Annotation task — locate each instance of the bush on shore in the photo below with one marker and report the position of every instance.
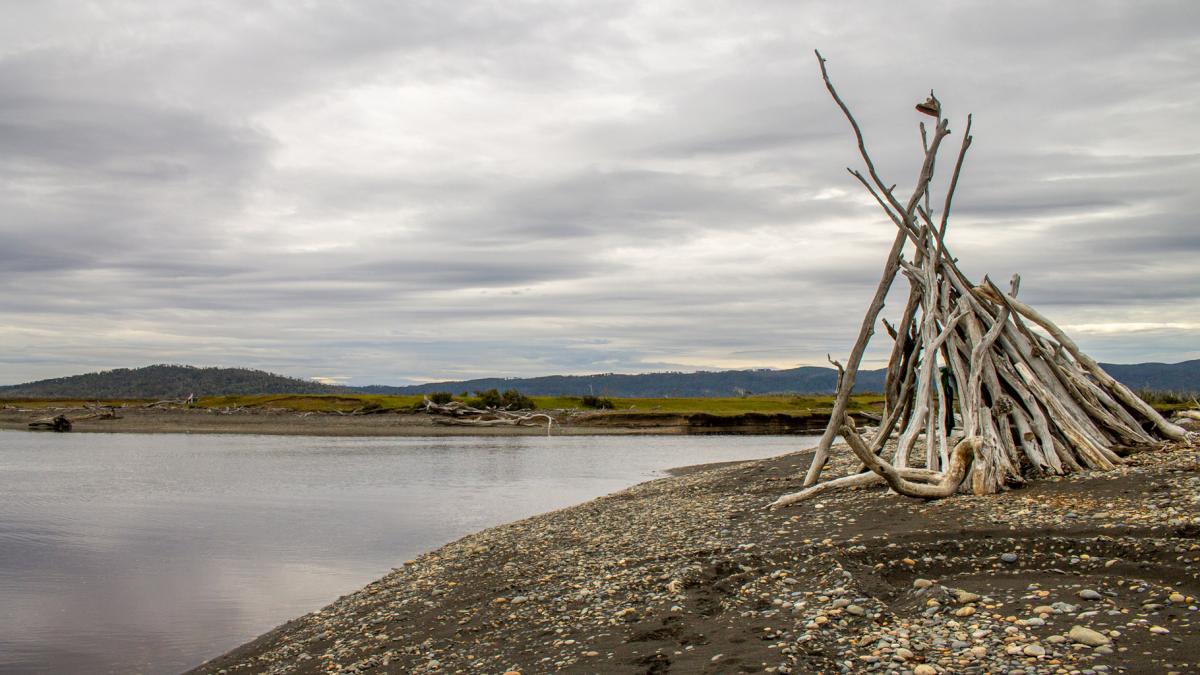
(597, 403)
(511, 399)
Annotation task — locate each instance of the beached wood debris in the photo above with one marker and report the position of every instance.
(100, 412)
(167, 404)
(187, 402)
(229, 410)
(59, 423)
(991, 390)
(459, 413)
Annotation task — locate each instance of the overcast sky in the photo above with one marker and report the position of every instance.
(386, 192)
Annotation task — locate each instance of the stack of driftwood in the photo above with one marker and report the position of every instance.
(459, 413)
(982, 391)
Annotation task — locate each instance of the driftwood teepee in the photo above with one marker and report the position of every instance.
(1028, 401)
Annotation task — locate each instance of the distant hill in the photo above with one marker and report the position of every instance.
(1178, 377)
(1181, 377)
(806, 379)
(163, 381)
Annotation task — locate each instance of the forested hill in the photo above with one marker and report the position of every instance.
(164, 381)
(1175, 377)
(179, 381)
(1181, 377)
(807, 379)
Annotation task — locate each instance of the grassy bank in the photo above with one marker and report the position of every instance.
(769, 404)
(712, 406)
(347, 403)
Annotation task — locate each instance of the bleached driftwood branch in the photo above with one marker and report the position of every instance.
(458, 413)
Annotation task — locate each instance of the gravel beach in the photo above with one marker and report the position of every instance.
(1094, 573)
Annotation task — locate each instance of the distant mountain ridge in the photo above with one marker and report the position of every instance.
(170, 381)
(802, 380)
(167, 381)
(1178, 377)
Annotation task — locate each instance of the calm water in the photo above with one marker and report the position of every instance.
(124, 553)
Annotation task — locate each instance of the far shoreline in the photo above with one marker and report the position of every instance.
(291, 423)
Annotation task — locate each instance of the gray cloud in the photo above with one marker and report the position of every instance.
(395, 191)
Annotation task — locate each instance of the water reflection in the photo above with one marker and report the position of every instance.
(136, 553)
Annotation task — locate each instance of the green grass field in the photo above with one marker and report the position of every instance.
(39, 403)
(713, 406)
(779, 403)
(797, 404)
(721, 406)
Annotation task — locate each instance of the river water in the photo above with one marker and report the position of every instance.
(127, 553)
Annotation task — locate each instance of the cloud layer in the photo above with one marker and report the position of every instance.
(391, 192)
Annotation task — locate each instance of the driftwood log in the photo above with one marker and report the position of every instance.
(461, 414)
(105, 414)
(59, 423)
(981, 389)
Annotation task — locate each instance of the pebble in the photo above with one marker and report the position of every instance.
(1034, 650)
(1089, 594)
(966, 597)
(1087, 636)
(924, 669)
(1009, 557)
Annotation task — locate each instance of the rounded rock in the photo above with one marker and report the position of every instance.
(1087, 636)
(966, 597)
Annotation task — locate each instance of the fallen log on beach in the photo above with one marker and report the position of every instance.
(60, 424)
(456, 413)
